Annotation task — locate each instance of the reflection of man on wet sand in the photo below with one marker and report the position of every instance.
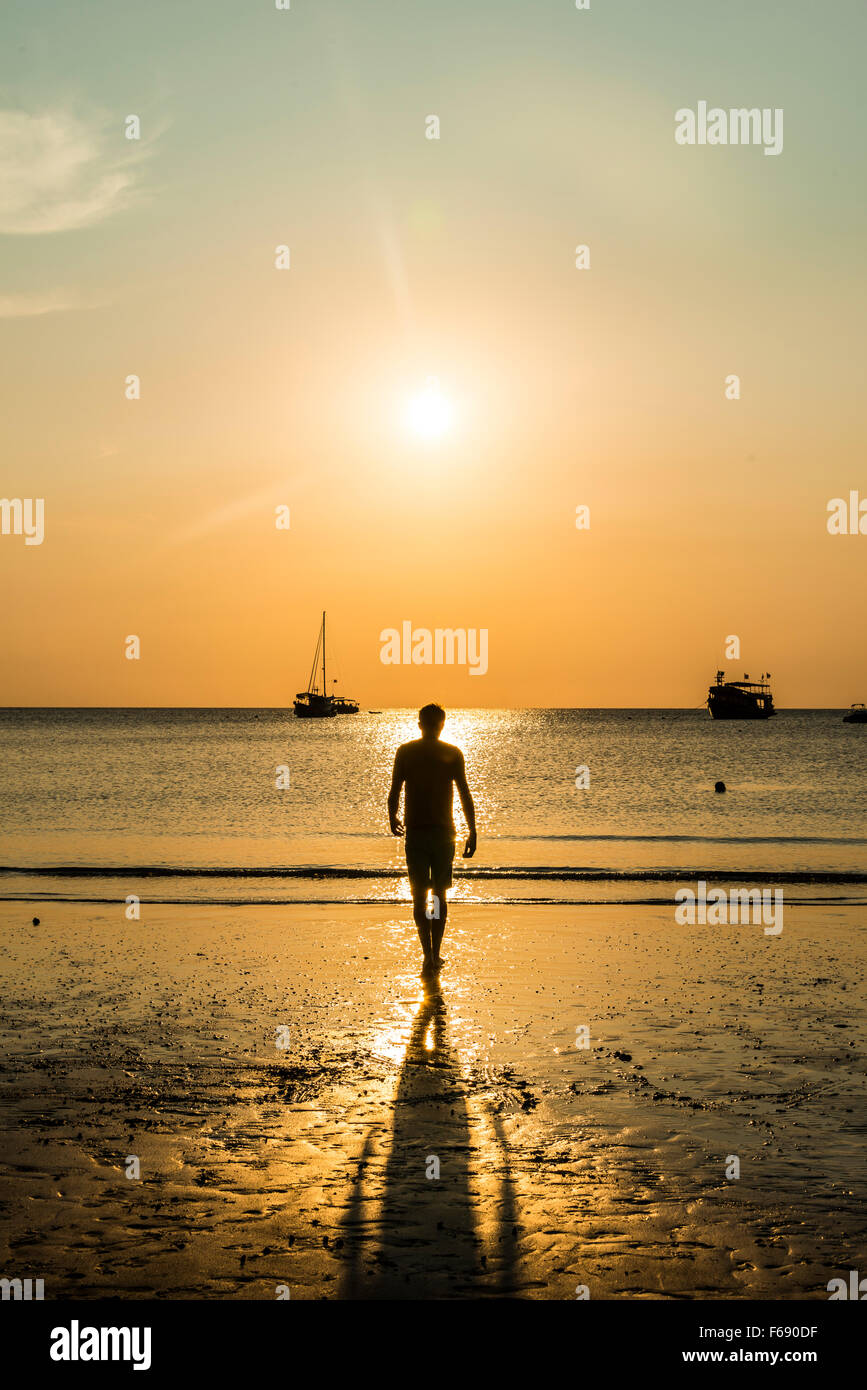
(411, 1234)
(431, 770)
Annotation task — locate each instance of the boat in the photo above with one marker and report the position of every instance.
(857, 715)
(314, 703)
(744, 699)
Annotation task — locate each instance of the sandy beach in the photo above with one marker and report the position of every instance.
(312, 1164)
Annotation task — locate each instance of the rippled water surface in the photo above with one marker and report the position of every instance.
(191, 789)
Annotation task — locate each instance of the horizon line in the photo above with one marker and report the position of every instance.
(287, 709)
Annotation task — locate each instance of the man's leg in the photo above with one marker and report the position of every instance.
(441, 881)
(440, 908)
(418, 873)
(419, 912)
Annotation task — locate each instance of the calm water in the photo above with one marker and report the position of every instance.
(187, 790)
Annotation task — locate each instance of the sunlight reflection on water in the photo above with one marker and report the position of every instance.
(139, 789)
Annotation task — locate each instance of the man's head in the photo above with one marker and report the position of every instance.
(431, 719)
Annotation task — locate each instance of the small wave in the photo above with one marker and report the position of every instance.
(401, 904)
(698, 839)
(553, 873)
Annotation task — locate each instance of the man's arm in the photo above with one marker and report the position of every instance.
(398, 777)
(469, 809)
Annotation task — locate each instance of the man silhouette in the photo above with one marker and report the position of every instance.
(430, 770)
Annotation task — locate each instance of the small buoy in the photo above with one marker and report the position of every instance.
(36, 921)
(720, 787)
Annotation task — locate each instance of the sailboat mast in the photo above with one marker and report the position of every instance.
(324, 684)
(311, 684)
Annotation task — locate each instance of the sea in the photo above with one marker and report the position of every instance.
(588, 806)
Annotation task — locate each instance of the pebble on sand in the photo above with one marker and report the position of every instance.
(720, 787)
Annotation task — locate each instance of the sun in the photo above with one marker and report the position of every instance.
(430, 413)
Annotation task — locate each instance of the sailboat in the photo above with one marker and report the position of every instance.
(314, 703)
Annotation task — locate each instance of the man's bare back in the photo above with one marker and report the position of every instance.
(430, 770)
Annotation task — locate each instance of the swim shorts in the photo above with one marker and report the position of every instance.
(430, 851)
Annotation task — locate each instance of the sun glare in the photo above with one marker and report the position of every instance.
(429, 414)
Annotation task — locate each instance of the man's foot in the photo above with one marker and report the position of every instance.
(438, 963)
(428, 965)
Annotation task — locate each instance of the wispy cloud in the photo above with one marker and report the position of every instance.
(59, 171)
(262, 502)
(33, 304)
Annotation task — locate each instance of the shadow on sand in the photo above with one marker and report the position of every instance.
(414, 1236)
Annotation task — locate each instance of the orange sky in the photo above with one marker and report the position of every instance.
(413, 258)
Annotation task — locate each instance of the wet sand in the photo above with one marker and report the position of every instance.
(307, 1165)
